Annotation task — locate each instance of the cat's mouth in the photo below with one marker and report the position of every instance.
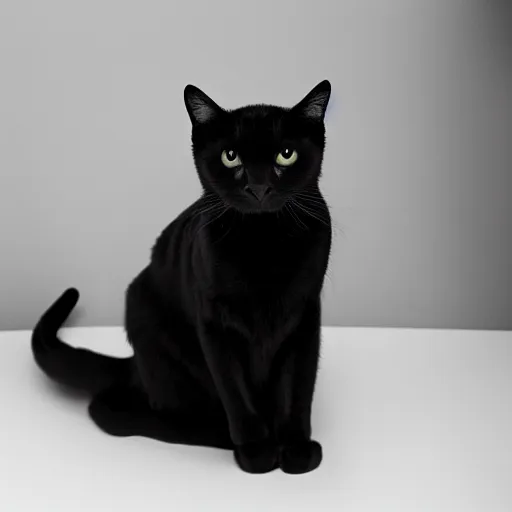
(259, 201)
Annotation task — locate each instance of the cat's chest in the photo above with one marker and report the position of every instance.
(261, 271)
(260, 276)
(257, 291)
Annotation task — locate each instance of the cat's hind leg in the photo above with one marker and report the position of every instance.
(125, 411)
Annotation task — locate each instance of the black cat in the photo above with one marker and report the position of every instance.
(225, 320)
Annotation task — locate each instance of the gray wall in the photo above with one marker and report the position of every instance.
(95, 158)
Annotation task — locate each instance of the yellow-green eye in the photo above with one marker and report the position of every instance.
(286, 157)
(230, 159)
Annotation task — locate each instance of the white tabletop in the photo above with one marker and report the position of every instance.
(410, 420)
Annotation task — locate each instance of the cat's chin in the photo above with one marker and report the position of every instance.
(253, 207)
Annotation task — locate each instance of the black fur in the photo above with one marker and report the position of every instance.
(225, 320)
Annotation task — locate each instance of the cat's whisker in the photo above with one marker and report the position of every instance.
(208, 209)
(308, 193)
(294, 216)
(320, 219)
(211, 200)
(307, 211)
(213, 219)
(314, 209)
(311, 200)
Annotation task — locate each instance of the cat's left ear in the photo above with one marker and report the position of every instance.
(313, 106)
(200, 107)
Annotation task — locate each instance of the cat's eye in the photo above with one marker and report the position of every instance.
(286, 157)
(230, 158)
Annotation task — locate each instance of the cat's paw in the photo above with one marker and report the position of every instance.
(301, 457)
(260, 457)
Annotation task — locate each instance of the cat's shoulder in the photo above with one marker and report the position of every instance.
(174, 229)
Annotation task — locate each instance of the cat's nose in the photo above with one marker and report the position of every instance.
(258, 191)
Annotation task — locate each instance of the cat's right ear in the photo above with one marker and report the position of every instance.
(200, 107)
(313, 106)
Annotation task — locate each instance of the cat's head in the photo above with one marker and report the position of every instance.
(257, 157)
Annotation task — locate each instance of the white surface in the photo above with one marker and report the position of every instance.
(409, 420)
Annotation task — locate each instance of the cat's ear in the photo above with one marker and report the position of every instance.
(313, 106)
(200, 107)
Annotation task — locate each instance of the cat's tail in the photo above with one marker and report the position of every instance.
(76, 367)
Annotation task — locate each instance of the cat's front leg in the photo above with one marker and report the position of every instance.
(255, 452)
(294, 395)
